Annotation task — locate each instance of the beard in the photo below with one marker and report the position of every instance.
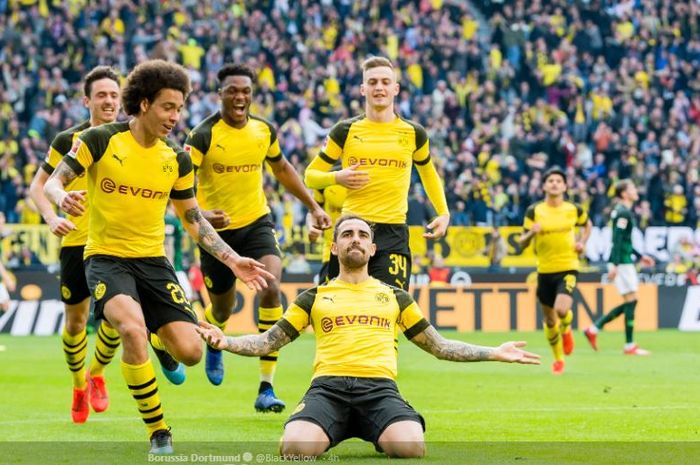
(353, 261)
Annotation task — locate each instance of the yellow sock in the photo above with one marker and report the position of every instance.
(209, 316)
(554, 338)
(141, 380)
(565, 322)
(267, 317)
(106, 345)
(75, 350)
(156, 342)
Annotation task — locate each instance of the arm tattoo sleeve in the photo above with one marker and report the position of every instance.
(258, 344)
(65, 173)
(207, 236)
(445, 349)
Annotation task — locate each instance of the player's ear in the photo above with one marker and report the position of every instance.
(144, 105)
(334, 248)
(397, 88)
(362, 89)
(372, 249)
(86, 101)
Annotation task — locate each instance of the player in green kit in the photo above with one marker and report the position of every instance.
(621, 268)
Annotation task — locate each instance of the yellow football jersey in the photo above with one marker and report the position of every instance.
(128, 189)
(60, 146)
(230, 164)
(554, 244)
(387, 152)
(356, 326)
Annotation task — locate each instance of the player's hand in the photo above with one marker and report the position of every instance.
(612, 273)
(579, 247)
(252, 273)
(510, 352)
(321, 219)
(438, 227)
(73, 203)
(212, 335)
(647, 261)
(312, 231)
(351, 177)
(536, 228)
(60, 226)
(10, 282)
(218, 218)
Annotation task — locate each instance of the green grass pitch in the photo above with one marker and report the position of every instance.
(606, 409)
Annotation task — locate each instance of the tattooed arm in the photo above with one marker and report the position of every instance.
(71, 202)
(247, 270)
(457, 351)
(254, 345)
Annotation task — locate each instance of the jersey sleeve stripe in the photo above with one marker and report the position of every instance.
(288, 329)
(274, 159)
(182, 195)
(416, 329)
(323, 156)
(423, 162)
(46, 167)
(74, 165)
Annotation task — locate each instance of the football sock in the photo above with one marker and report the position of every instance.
(75, 350)
(629, 321)
(555, 342)
(141, 380)
(614, 313)
(565, 322)
(267, 317)
(106, 345)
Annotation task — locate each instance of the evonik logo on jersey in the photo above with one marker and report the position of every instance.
(382, 162)
(109, 186)
(247, 168)
(328, 324)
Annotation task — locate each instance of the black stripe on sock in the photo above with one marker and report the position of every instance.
(136, 387)
(150, 410)
(101, 331)
(99, 352)
(267, 322)
(101, 360)
(65, 344)
(108, 344)
(73, 352)
(146, 395)
(75, 370)
(77, 362)
(154, 419)
(268, 358)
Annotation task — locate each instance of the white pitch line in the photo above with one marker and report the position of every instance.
(559, 409)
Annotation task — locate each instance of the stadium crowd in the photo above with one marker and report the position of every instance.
(606, 89)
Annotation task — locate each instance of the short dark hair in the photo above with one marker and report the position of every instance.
(97, 73)
(554, 170)
(376, 62)
(349, 217)
(148, 79)
(621, 186)
(235, 70)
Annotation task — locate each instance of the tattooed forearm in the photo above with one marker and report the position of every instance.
(258, 344)
(207, 236)
(54, 187)
(444, 349)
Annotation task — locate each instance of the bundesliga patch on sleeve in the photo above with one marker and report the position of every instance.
(74, 149)
(188, 148)
(621, 223)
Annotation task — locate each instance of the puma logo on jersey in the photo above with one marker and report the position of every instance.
(325, 297)
(219, 146)
(358, 138)
(120, 160)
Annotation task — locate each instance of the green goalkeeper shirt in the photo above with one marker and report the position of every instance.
(622, 223)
